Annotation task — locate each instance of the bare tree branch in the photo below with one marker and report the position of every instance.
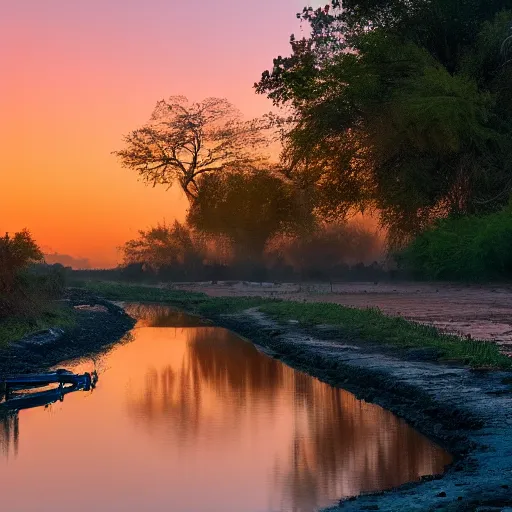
(184, 140)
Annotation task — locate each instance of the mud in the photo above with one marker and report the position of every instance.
(99, 325)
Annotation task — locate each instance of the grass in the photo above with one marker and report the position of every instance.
(373, 326)
(15, 328)
(363, 324)
(194, 302)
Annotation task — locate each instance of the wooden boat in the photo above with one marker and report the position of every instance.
(68, 382)
(39, 399)
(44, 379)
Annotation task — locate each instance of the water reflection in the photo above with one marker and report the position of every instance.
(339, 446)
(158, 315)
(195, 418)
(9, 434)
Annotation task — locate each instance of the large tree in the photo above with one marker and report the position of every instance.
(183, 141)
(403, 107)
(248, 207)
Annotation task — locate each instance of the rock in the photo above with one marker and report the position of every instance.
(442, 494)
(92, 309)
(41, 337)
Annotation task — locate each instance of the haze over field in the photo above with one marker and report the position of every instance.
(80, 75)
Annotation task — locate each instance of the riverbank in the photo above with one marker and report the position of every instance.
(91, 325)
(482, 311)
(367, 325)
(466, 410)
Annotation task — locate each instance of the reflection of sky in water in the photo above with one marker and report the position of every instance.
(189, 419)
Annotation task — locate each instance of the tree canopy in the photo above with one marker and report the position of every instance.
(183, 141)
(16, 253)
(401, 107)
(248, 207)
(163, 246)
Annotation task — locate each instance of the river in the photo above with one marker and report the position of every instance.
(191, 418)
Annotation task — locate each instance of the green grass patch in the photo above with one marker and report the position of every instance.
(363, 324)
(15, 328)
(371, 325)
(140, 293)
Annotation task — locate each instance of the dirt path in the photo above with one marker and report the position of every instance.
(483, 312)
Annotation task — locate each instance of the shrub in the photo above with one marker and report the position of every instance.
(470, 248)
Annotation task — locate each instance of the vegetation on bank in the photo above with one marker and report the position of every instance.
(14, 328)
(28, 289)
(471, 248)
(363, 324)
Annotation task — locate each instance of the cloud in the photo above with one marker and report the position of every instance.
(67, 261)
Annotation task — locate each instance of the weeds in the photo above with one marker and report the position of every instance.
(15, 328)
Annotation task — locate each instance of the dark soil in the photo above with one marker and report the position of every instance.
(94, 332)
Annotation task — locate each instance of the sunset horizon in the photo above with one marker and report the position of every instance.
(81, 77)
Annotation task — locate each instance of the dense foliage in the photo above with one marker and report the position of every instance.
(470, 248)
(248, 208)
(27, 287)
(402, 107)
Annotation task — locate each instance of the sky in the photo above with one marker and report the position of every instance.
(77, 76)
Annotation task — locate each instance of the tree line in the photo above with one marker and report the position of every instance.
(395, 108)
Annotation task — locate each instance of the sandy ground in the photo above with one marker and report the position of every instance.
(483, 312)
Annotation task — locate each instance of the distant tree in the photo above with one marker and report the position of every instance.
(248, 207)
(163, 246)
(184, 141)
(16, 253)
(328, 247)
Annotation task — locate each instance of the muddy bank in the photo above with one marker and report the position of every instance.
(468, 412)
(479, 311)
(99, 324)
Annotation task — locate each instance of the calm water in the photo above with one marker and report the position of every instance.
(194, 419)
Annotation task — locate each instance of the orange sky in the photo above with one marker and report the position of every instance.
(76, 76)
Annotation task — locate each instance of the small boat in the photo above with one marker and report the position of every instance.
(58, 377)
(68, 382)
(42, 398)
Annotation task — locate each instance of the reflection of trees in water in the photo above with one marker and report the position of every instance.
(346, 446)
(216, 360)
(230, 364)
(9, 433)
(157, 315)
(339, 445)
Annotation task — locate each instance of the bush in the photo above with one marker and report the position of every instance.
(47, 280)
(472, 248)
(25, 284)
